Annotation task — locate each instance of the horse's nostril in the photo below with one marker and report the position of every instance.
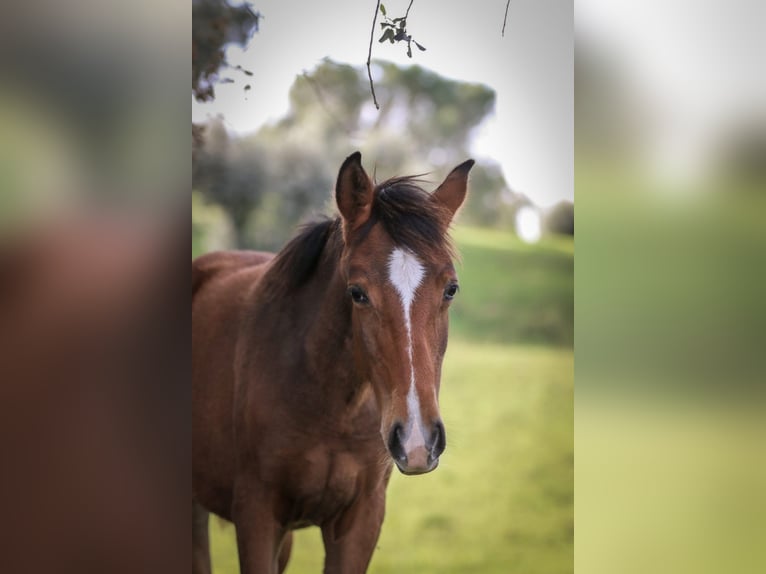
(438, 440)
(395, 445)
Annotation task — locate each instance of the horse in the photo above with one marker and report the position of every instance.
(316, 370)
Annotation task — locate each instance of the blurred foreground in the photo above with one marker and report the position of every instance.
(670, 110)
(670, 375)
(94, 170)
(94, 397)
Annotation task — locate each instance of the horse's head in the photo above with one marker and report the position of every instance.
(397, 263)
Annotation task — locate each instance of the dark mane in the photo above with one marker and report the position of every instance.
(407, 213)
(298, 260)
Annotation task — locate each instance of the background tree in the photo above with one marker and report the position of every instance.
(560, 218)
(491, 202)
(287, 169)
(215, 24)
(231, 176)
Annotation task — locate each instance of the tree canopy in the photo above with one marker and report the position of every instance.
(215, 24)
(286, 170)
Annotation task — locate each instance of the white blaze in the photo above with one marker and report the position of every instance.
(406, 273)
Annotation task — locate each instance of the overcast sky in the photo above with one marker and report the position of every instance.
(530, 69)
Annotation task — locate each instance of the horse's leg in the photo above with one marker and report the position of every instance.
(200, 540)
(259, 535)
(284, 551)
(258, 543)
(350, 541)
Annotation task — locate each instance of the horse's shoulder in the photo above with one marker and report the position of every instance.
(219, 264)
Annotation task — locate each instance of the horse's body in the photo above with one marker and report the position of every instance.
(308, 380)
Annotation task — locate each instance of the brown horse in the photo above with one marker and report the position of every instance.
(315, 368)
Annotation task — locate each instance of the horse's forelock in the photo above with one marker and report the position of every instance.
(411, 218)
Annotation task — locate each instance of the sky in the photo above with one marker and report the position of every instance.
(530, 134)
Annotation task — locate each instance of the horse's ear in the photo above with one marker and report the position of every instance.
(451, 193)
(353, 193)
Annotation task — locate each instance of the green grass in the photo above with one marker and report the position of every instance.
(513, 292)
(502, 498)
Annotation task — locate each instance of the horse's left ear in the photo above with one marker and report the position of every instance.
(353, 193)
(451, 193)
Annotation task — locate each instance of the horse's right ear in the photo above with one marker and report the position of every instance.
(353, 193)
(451, 193)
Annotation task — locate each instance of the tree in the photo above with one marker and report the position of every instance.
(490, 202)
(560, 219)
(216, 24)
(425, 120)
(287, 170)
(230, 177)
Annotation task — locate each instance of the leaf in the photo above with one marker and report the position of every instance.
(248, 87)
(384, 25)
(409, 50)
(382, 9)
(420, 47)
(387, 35)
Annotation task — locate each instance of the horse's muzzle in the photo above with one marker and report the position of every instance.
(412, 451)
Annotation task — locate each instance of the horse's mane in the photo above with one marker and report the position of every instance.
(407, 213)
(298, 260)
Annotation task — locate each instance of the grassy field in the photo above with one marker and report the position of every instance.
(502, 498)
(513, 292)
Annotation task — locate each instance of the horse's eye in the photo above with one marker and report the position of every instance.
(450, 291)
(358, 295)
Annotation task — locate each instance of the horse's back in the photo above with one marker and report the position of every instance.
(218, 264)
(221, 285)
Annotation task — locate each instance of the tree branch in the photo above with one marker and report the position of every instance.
(369, 55)
(505, 18)
(407, 13)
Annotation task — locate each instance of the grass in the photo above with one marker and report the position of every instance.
(513, 292)
(502, 498)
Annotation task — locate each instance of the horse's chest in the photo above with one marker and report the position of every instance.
(322, 484)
